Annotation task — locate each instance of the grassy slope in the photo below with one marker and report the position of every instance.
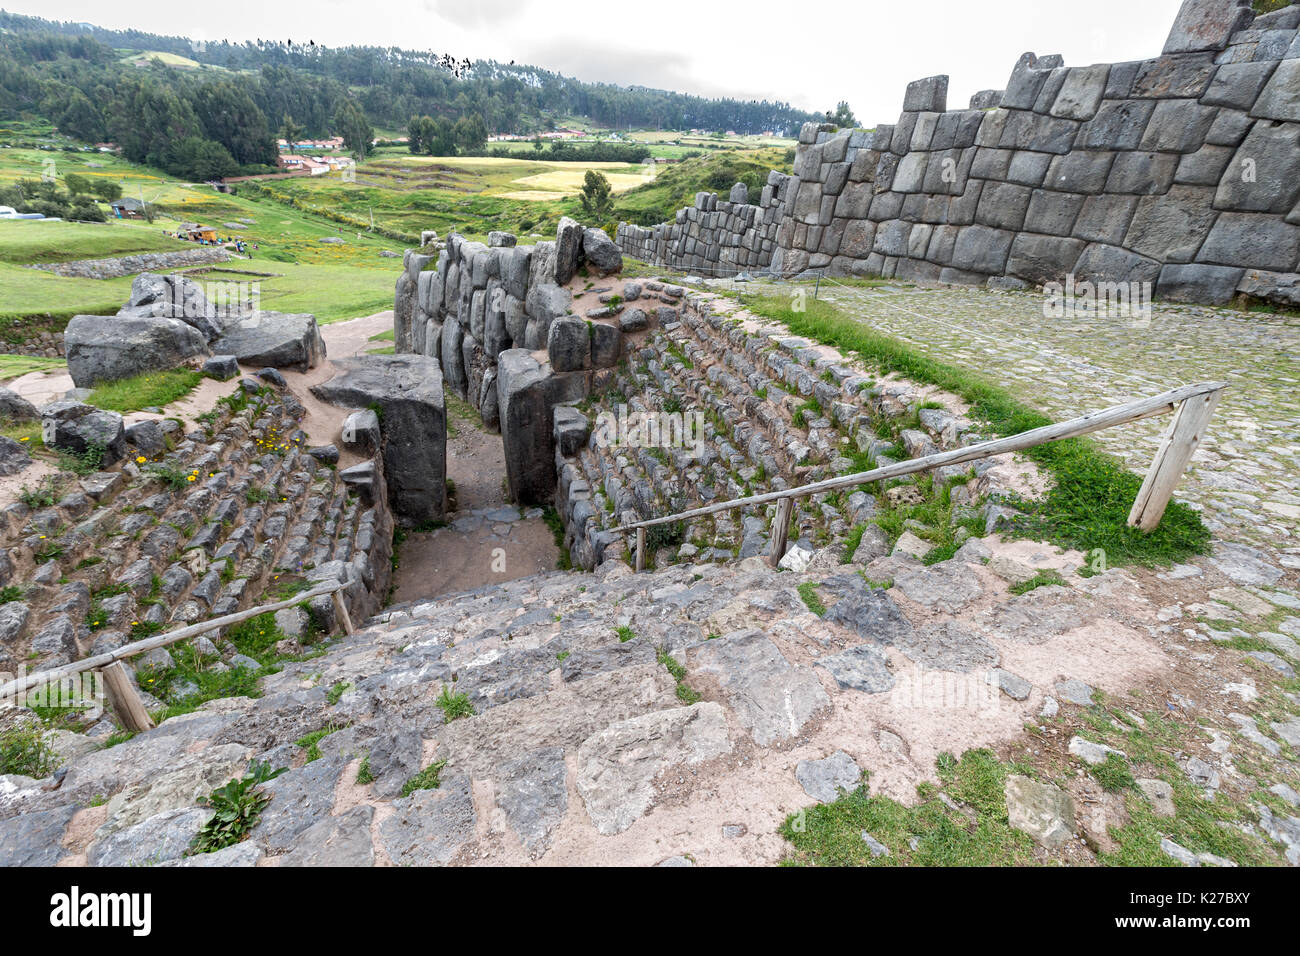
(676, 186)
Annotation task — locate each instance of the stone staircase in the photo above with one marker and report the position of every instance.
(193, 526)
(671, 717)
(778, 412)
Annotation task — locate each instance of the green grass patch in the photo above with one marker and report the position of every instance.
(454, 706)
(426, 779)
(1088, 505)
(625, 634)
(928, 834)
(147, 390)
(1042, 579)
(23, 751)
(808, 591)
(311, 742)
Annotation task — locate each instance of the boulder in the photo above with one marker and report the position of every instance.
(568, 344)
(1040, 810)
(15, 408)
(13, 456)
(1207, 25)
(77, 428)
(276, 339)
(407, 389)
(601, 252)
(175, 297)
(221, 367)
(104, 348)
(361, 432)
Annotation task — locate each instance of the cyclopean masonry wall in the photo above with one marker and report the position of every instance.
(717, 237)
(482, 311)
(1182, 171)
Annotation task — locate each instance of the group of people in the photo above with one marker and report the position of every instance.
(242, 247)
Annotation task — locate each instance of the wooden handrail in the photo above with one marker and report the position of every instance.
(1147, 511)
(15, 687)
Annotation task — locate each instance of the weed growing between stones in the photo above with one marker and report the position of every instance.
(454, 706)
(237, 808)
(426, 779)
(808, 591)
(1088, 505)
(553, 521)
(685, 693)
(311, 742)
(23, 751)
(1040, 580)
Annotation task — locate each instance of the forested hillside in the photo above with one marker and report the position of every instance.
(238, 95)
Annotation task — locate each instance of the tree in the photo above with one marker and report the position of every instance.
(230, 117)
(471, 133)
(77, 185)
(842, 116)
(597, 202)
(537, 143)
(199, 159)
(350, 123)
(106, 189)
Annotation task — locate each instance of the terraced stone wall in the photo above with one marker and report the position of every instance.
(1182, 171)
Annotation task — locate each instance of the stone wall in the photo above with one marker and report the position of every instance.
(717, 237)
(119, 266)
(1182, 171)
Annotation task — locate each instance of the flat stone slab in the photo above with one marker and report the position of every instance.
(770, 697)
(335, 841)
(950, 646)
(617, 766)
(533, 794)
(949, 586)
(299, 798)
(1041, 810)
(35, 839)
(870, 613)
(864, 668)
(429, 826)
(824, 779)
(160, 838)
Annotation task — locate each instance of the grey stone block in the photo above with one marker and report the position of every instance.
(1042, 259)
(1252, 240)
(1118, 124)
(1212, 285)
(1229, 129)
(982, 249)
(1142, 173)
(911, 173)
(1264, 175)
(1178, 126)
(1207, 25)
(1028, 168)
(1102, 263)
(1237, 85)
(1003, 205)
(1173, 226)
(1185, 75)
(1053, 213)
(930, 94)
(1081, 93)
(1081, 171)
(1204, 167)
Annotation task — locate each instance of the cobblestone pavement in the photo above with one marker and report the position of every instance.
(1245, 478)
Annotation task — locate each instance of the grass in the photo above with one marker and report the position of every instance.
(1042, 579)
(927, 834)
(147, 390)
(23, 751)
(685, 693)
(625, 634)
(808, 591)
(454, 706)
(311, 742)
(426, 779)
(1087, 507)
(15, 366)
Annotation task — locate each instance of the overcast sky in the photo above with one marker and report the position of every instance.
(808, 54)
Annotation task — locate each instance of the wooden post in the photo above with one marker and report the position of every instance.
(125, 699)
(341, 607)
(640, 549)
(780, 531)
(1176, 449)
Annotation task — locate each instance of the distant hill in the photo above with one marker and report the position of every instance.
(308, 83)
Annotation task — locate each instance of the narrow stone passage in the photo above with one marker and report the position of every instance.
(487, 539)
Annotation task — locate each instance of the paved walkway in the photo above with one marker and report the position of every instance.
(1246, 477)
